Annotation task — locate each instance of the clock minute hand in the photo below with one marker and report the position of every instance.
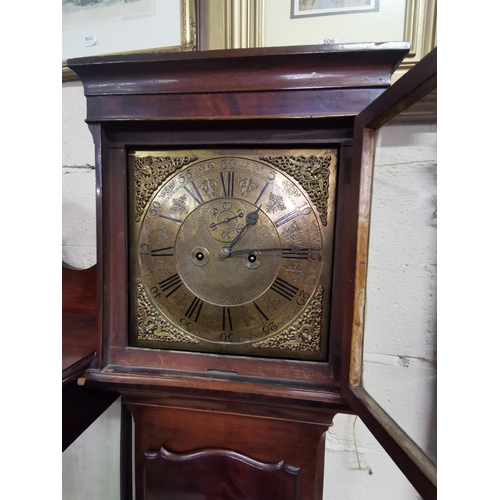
(251, 219)
(294, 248)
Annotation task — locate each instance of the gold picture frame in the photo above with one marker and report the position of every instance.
(188, 31)
(420, 31)
(230, 24)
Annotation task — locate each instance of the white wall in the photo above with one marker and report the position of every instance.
(78, 181)
(91, 464)
(344, 479)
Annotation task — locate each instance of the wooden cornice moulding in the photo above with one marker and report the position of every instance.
(354, 65)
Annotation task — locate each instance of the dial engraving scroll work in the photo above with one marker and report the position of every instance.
(232, 251)
(150, 173)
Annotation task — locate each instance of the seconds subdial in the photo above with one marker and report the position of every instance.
(226, 219)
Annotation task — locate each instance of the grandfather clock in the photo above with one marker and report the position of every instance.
(226, 212)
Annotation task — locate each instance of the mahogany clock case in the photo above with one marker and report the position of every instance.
(245, 101)
(227, 410)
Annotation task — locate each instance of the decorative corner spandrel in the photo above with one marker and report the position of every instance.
(304, 334)
(152, 326)
(150, 172)
(312, 172)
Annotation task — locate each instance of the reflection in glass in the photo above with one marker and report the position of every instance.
(400, 358)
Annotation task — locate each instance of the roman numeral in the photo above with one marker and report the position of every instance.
(292, 215)
(195, 307)
(261, 193)
(227, 183)
(195, 194)
(284, 288)
(158, 252)
(177, 221)
(293, 253)
(226, 318)
(261, 312)
(171, 284)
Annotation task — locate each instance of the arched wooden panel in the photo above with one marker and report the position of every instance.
(217, 474)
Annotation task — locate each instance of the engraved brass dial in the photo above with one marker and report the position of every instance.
(229, 253)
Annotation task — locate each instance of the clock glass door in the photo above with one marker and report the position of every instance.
(399, 341)
(392, 375)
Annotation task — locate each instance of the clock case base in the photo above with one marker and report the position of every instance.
(299, 97)
(216, 453)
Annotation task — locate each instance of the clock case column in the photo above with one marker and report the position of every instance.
(196, 408)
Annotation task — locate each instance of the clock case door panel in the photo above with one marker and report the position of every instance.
(300, 97)
(417, 88)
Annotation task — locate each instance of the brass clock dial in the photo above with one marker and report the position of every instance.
(231, 252)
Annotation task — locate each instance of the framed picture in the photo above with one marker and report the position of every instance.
(101, 27)
(312, 8)
(311, 22)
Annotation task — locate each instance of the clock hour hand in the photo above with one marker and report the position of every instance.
(294, 248)
(251, 219)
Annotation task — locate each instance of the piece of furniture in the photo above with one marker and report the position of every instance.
(215, 422)
(80, 407)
